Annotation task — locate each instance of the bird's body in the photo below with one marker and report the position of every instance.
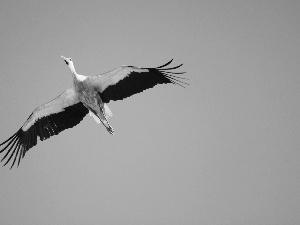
(91, 99)
(87, 94)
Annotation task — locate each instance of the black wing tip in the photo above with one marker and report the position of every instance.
(164, 68)
(166, 64)
(12, 148)
(171, 68)
(166, 71)
(19, 143)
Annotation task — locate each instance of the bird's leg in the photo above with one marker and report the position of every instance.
(109, 128)
(103, 118)
(104, 121)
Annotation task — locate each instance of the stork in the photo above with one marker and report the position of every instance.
(88, 94)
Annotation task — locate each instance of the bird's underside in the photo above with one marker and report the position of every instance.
(98, 110)
(88, 94)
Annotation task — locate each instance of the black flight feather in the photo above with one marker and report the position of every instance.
(137, 82)
(45, 127)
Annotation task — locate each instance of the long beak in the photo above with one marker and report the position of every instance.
(65, 59)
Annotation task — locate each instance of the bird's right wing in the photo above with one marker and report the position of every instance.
(125, 81)
(49, 119)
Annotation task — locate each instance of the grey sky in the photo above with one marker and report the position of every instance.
(225, 150)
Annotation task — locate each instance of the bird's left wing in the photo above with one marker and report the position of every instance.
(49, 119)
(125, 81)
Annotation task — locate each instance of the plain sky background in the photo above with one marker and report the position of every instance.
(224, 150)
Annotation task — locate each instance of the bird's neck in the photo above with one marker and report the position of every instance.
(73, 71)
(77, 77)
(72, 68)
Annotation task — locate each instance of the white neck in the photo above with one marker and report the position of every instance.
(72, 68)
(76, 75)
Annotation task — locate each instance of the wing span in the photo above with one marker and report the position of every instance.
(49, 119)
(128, 80)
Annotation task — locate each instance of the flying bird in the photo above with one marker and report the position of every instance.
(88, 94)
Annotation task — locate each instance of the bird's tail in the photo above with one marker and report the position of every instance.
(104, 119)
(107, 111)
(95, 117)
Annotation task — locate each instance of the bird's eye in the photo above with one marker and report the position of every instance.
(70, 59)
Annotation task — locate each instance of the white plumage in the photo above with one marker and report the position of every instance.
(87, 94)
(107, 111)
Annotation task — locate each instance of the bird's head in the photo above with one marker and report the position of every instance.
(69, 62)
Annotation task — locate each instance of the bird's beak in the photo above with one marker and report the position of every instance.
(65, 59)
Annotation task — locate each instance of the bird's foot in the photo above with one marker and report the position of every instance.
(110, 130)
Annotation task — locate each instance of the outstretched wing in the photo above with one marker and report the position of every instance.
(49, 119)
(128, 80)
